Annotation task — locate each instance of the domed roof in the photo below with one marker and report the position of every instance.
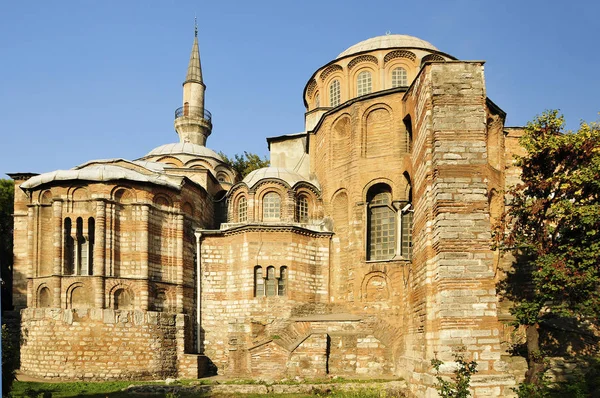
(184, 148)
(387, 41)
(289, 176)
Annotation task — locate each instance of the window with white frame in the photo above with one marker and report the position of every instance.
(242, 209)
(271, 206)
(381, 225)
(363, 83)
(399, 77)
(302, 209)
(334, 93)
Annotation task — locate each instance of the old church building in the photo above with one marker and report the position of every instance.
(362, 251)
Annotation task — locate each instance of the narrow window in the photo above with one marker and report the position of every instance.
(242, 209)
(123, 300)
(282, 282)
(363, 83)
(259, 282)
(407, 226)
(69, 249)
(271, 206)
(381, 226)
(271, 287)
(80, 248)
(302, 209)
(334, 93)
(317, 100)
(44, 299)
(91, 239)
(399, 78)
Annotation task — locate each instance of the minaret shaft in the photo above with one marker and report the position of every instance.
(192, 121)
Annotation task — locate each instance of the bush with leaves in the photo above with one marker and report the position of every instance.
(458, 386)
(10, 361)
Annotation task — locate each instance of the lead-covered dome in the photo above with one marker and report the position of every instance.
(288, 176)
(387, 41)
(184, 148)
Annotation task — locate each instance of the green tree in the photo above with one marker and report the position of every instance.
(458, 387)
(552, 227)
(6, 237)
(246, 163)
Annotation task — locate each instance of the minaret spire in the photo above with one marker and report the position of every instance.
(192, 121)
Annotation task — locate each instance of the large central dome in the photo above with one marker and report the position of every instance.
(387, 41)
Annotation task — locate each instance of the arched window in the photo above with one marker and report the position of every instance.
(259, 282)
(69, 249)
(271, 287)
(271, 206)
(91, 240)
(381, 225)
(242, 209)
(399, 78)
(406, 226)
(44, 299)
(317, 100)
(123, 300)
(363, 83)
(302, 209)
(334, 93)
(81, 253)
(282, 282)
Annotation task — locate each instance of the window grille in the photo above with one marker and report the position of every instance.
(334, 93)
(381, 232)
(399, 78)
(271, 206)
(242, 209)
(302, 209)
(363, 83)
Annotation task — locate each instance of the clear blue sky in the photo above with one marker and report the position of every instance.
(82, 80)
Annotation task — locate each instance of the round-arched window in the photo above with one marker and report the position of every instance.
(363, 83)
(399, 77)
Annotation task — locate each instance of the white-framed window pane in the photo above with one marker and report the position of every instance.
(399, 78)
(242, 209)
(302, 209)
(271, 206)
(363, 83)
(334, 93)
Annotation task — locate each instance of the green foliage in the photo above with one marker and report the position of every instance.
(6, 237)
(246, 163)
(10, 361)
(458, 387)
(554, 223)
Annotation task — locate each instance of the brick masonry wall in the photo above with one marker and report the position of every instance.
(100, 344)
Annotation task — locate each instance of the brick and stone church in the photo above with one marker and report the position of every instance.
(362, 251)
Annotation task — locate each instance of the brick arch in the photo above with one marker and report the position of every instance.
(123, 194)
(45, 197)
(79, 193)
(341, 140)
(188, 209)
(380, 180)
(77, 295)
(234, 201)
(377, 127)
(162, 200)
(310, 89)
(376, 286)
(115, 286)
(399, 54)
(330, 70)
(361, 59)
(368, 67)
(406, 190)
(431, 57)
(43, 296)
(171, 160)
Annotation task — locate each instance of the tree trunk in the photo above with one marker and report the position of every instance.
(535, 362)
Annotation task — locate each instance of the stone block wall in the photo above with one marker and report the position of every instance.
(96, 344)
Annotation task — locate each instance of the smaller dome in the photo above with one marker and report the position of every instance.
(184, 148)
(288, 176)
(387, 41)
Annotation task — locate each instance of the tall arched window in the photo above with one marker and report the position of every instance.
(81, 253)
(363, 83)
(242, 209)
(69, 249)
(271, 287)
(399, 77)
(259, 282)
(271, 206)
(381, 226)
(123, 300)
(302, 209)
(282, 281)
(334, 93)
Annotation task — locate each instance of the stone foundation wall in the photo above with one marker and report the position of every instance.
(94, 344)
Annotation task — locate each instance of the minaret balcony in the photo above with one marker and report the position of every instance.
(194, 112)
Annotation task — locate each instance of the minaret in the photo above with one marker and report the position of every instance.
(192, 121)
